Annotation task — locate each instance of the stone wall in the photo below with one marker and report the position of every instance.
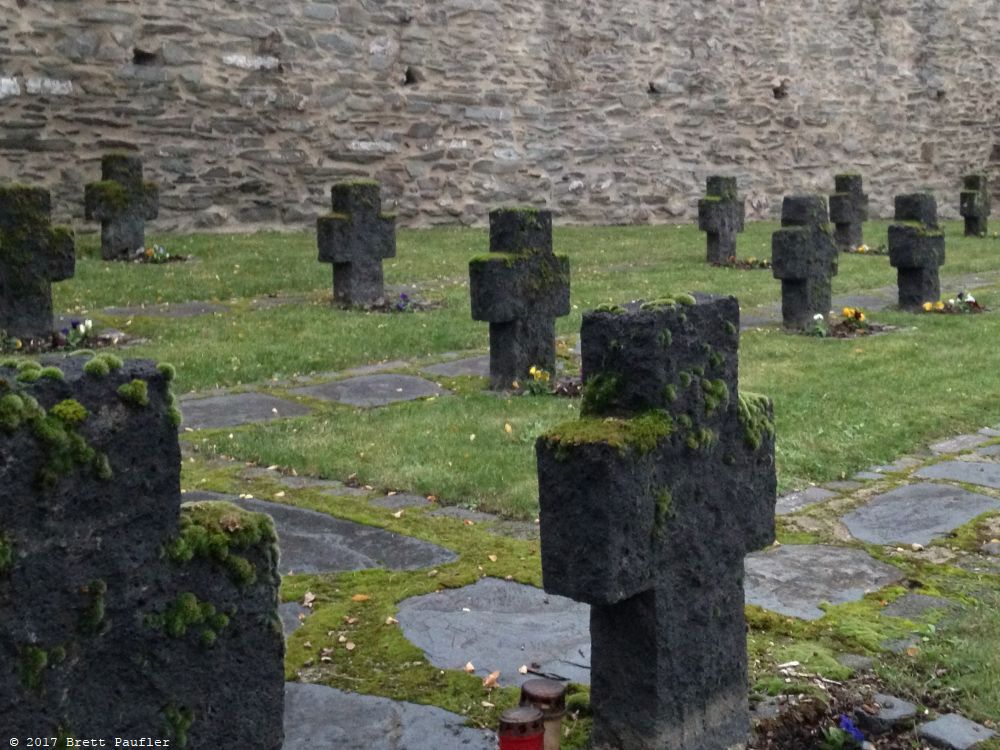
(607, 112)
(122, 612)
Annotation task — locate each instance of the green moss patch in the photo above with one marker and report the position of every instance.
(754, 414)
(188, 612)
(641, 434)
(69, 411)
(135, 393)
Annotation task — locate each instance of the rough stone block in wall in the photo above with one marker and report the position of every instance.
(33, 254)
(916, 250)
(458, 104)
(123, 613)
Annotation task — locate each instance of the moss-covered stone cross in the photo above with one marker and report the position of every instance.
(916, 250)
(520, 288)
(974, 204)
(848, 211)
(804, 257)
(355, 237)
(721, 214)
(122, 201)
(33, 254)
(648, 504)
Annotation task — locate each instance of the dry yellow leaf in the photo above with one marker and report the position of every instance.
(398, 513)
(349, 646)
(491, 558)
(507, 428)
(912, 651)
(490, 681)
(360, 598)
(469, 667)
(391, 621)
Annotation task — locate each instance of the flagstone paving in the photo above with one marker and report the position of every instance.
(477, 366)
(501, 625)
(954, 732)
(802, 499)
(167, 310)
(916, 513)
(235, 409)
(794, 579)
(313, 542)
(374, 390)
(317, 716)
(971, 472)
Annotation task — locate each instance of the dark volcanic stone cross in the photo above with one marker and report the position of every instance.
(649, 503)
(355, 237)
(975, 204)
(804, 257)
(916, 250)
(848, 211)
(33, 254)
(122, 201)
(520, 288)
(721, 214)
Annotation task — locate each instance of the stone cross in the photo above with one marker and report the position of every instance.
(648, 504)
(355, 237)
(804, 257)
(916, 250)
(848, 211)
(122, 201)
(33, 254)
(975, 204)
(520, 287)
(721, 214)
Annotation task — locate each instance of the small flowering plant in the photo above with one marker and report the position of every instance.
(153, 254)
(403, 304)
(745, 263)
(9, 343)
(537, 384)
(78, 331)
(844, 736)
(961, 304)
(819, 327)
(854, 319)
(868, 250)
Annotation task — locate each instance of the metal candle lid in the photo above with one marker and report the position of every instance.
(547, 695)
(521, 721)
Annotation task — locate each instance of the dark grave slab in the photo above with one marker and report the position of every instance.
(912, 606)
(890, 711)
(235, 409)
(954, 732)
(122, 201)
(292, 615)
(960, 443)
(33, 254)
(317, 716)
(795, 579)
(167, 310)
(374, 390)
(804, 258)
(916, 513)
(721, 214)
(983, 473)
(802, 499)
(974, 204)
(916, 250)
(314, 542)
(355, 237)
(848, 211)
(520, 287)
(500, 625)
(648, 504)
(401, 500)
(475, 366)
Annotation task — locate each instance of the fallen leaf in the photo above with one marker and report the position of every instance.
(272, 467)
(467, 522)
(912, 651)
(432, 498)
(391, 493)
(469, 667)
(279, 494)
(342, 639)
(523, 669)
(391, 621)
(307, 644)
(490, 681)
(507, 428)
(350, 620)
(491, 558)
(350, 646)
(398, 513)
(432, 573)
(308, 599)
(487, 704)
(360, 598)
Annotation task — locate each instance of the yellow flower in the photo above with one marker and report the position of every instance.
(17, 343)
(533, 371)
(860, 316)
(862, 248)
(848, 312)
(939, 305)
(928, 307)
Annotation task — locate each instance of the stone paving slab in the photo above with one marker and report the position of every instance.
(989, 451)
(801, 499)
(985, 474)
(167, 310)
(374, 390)
(912, 606)
(401, 500)
(320, 717)
(500, 625)
(959, 443)
(477, 366)
(916, 513)
(844, 485)
(235, 409)
(794, 579)
(900, 464)
(954, 732)
(313, 542)
(289, 614)
(891, 711)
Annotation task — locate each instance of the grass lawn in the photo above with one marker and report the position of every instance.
(840, 406)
